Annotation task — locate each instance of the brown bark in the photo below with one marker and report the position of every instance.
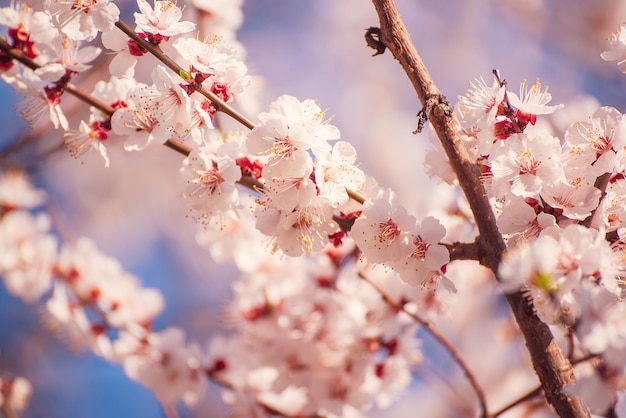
(552, 367)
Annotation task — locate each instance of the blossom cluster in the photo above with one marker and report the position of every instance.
(304, 205)
(90, 300)
(341, 349)
(332, 345)
(304, 182)
(53, 37)
(559, 205)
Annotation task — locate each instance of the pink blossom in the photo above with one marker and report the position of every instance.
(162, 19)
(617, 48)
(381, 232)
(533, 101)
(165, 363)
(525, 164)
(27, 254)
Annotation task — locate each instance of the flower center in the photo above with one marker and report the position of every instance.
(420, 248)
(388, 231)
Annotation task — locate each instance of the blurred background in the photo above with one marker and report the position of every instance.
(309, 50)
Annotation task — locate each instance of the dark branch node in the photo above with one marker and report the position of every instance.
(432, 101)
(373, 37)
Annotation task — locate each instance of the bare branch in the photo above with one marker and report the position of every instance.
(526, 397)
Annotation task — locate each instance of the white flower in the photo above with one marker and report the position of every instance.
(42, 102)
(100, 281)
(291, 401)
(592, 144)
(336, 172)
(127, 304)
(559, 268)
(479, 104)
(115, 92)
(283, 144)
(289, 193)
(82, 20)
(604, 320)
(533, 101)
(27, 254)
(617, 51)
(476, 114)
(87, 138)
(32, 28)
(300, 230)
(210, 57)
(534, 266)
(165, 363)
(525, 165)
(70, 56)
(68, 317)
(211, 179)
(519, 219)
(126, 52)
(577, 201)
(162, 20)
(381, 230)
(235, 239)
(16, 192)
(611, 214)
(15, 393)
(168, 102)
(226, 16)
(139, 123)
(308, 115)
(423, 252)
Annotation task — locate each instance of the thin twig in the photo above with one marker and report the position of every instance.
(17, 55)
(526, 397)
(553, 369)
(440, 338)
(537, 391)
(158, 53)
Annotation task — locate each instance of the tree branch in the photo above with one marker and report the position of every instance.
(156, 51)
(447, 345)
(464, 250)
(17, 55)
(552, 367)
